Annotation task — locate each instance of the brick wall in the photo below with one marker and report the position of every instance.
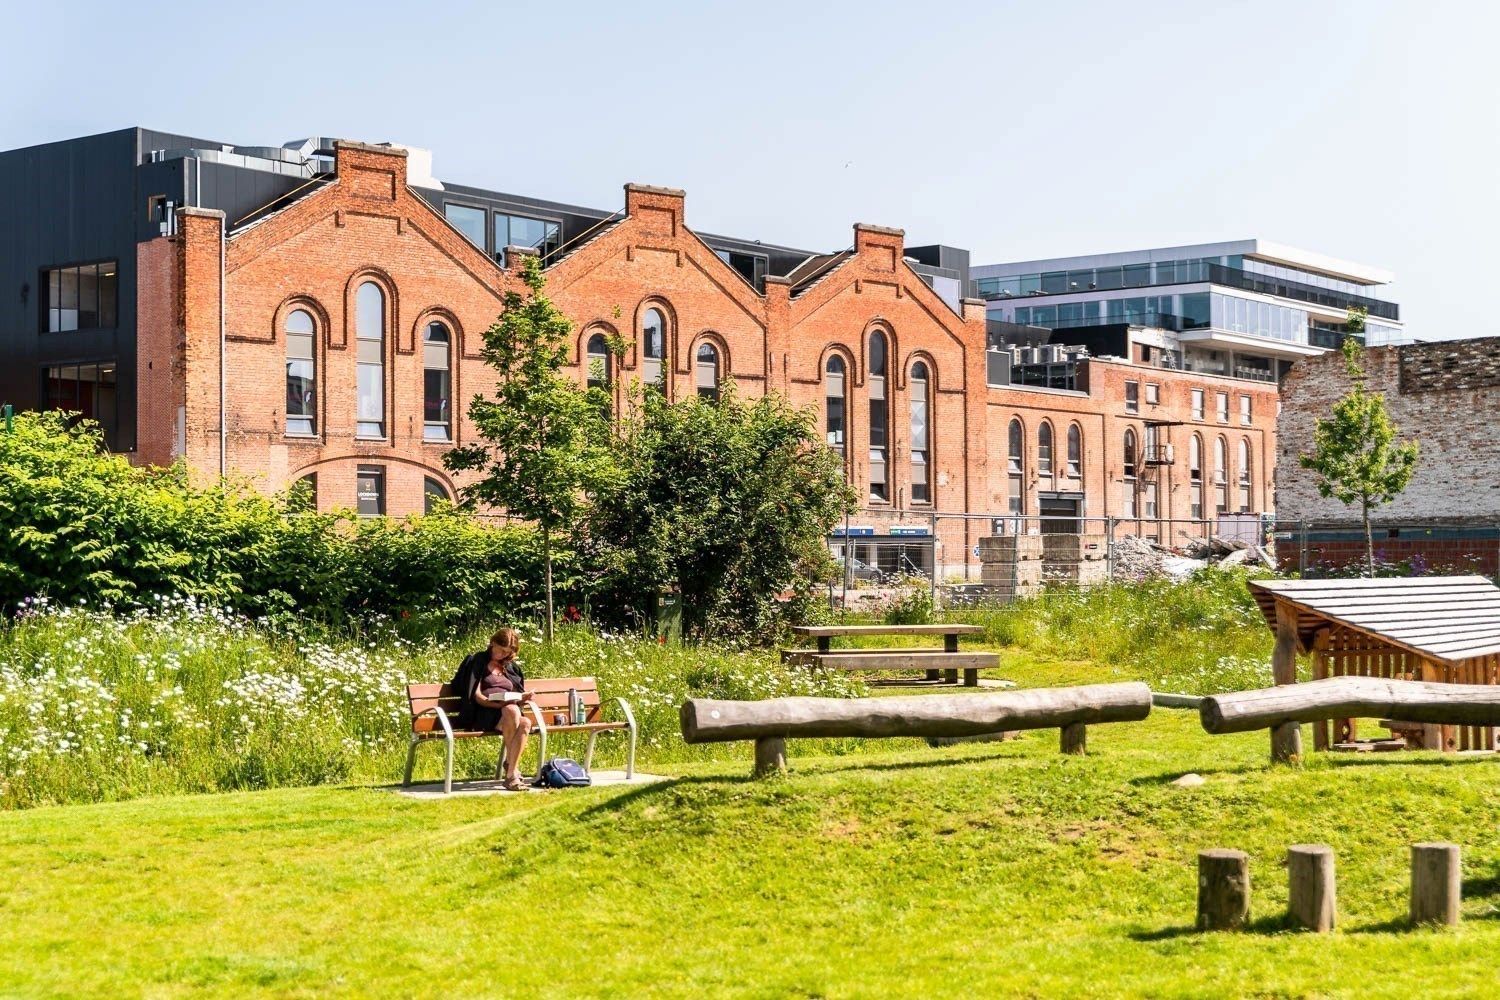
(161, 390)
(1443, 395)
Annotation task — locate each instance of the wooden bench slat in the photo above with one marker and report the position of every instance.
(903, 660)
(828, 631)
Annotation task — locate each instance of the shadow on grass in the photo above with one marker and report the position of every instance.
(1264, 925)
(1397, 759)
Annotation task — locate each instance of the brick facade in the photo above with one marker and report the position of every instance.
(365, 225)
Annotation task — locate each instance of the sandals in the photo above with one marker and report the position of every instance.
(514, 784)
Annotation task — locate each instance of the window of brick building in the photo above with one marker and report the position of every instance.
(1221, 407)
(1245, 410)
(467, 220)
(369, 490)
(1221, 481)
(1153, 393)
(1198, 404)
(1075, 451)
(304, 494)
(1195, 477)
(600, 374)
(437, 383)
(1016, 467)
(369, 327)
(1132, 397)
(1044, 449)
(301, 373)
(653, 348)
(834, 400)
(708, 372)
(542, 235)
(433, 494)
(1244, 471)
(879, 419)
(1129, 471)
(921, 486)
(1148, 500)
(86, 389)
(83, 297)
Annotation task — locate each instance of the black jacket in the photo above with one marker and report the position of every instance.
(471, 714)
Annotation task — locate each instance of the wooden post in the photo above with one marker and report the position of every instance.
(1286, 739)
(971, 678)
(770, 756)
(1436, 884)
(951, 676)
(1311, 898)
(1223, 890)
(1075, 738)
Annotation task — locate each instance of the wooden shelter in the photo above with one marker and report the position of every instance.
(1434, 628)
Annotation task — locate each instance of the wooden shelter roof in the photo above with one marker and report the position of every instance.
(1446, 619)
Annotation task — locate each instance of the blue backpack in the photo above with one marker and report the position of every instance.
(560, 772)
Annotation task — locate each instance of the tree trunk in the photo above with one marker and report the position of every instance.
(547, 559)
(1369, 544)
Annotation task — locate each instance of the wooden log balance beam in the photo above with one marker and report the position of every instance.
(773, 721)
(1283, 708)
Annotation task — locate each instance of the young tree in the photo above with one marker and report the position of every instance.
(1355, 454)
(545, 443)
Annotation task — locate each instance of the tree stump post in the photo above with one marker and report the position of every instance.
(1075, 738)
(1436, 884)
(770, 756)
(1223, 890)
(1311, 896)
(1286, 743)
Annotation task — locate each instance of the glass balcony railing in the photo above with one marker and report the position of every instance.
(1287, 289)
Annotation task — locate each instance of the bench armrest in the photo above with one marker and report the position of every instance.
(442, 718)
(625, 710)
(536, 713)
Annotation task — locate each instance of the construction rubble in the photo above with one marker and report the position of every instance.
(1137, 558)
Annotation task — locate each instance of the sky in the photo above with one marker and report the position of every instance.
(1365, 130)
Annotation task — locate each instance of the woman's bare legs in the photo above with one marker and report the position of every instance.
(513, 729)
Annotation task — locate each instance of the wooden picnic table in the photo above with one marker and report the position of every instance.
(933, 662)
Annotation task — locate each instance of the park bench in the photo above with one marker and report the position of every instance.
(935, 664)
(434, 705)
(770, 723)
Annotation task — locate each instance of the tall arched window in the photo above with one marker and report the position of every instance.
(433, 493)
(1044, 449)
(369, 329)
(879, 419)
(653, 348)
(1075, 451)
(598, 360)
(1015, 467)
(1130, 473)
(1244, 475)
(708, 371)
(921, 484)
(1195, 476)
(1221, 480)
(301, 374)
(437, 384)
(833, 396)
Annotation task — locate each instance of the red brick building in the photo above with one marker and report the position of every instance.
(333, 335)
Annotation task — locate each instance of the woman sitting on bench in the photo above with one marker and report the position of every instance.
(493, 690)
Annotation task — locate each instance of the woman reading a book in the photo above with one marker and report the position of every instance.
(492, 690)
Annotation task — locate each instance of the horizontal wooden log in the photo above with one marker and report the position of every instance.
(1351, 698)
(706, 720)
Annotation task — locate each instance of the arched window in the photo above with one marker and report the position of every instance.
(1244, 475)
(708, 371)
(833, 396)
(301, 374)
(599, 373)
(1075, 451)
(653, 348)
(369, 329)
(1221, 480)
(1130, 473)
(1044, 449)
(1195, 476)
(304, 495)
(437, 388)
(1015, 467)
(433, 493)
(879, 419)
(921, 484)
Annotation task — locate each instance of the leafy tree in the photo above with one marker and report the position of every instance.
(731, 501)
(1355, 455)
(1356, 321)
(546, 439)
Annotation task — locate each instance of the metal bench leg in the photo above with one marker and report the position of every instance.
(588, 753)
(630, 761)
(448, 767)
(411, 762)
(541, 756)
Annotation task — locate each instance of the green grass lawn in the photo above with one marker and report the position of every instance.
(984, 870)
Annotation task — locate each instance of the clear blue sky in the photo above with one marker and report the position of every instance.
(1365, 129)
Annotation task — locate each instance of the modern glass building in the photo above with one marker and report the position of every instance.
(1246, 308)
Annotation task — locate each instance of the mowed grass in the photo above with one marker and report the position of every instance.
(983, 870)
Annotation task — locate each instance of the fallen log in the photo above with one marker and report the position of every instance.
(1351, 698)
(709, 721)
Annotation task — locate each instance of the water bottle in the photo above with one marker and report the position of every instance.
(580, 713)
(573, 705)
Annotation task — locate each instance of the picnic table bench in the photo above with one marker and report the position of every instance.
(936, 664)
(435, 706)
